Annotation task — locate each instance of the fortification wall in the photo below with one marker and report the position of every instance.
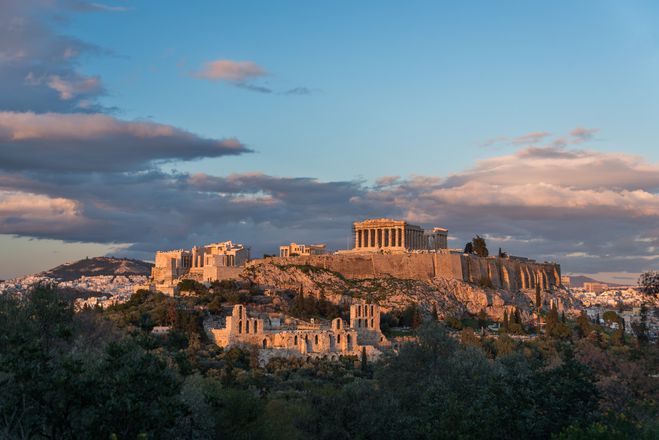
(505, 273)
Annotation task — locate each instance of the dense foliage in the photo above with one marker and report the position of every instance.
(102, 374)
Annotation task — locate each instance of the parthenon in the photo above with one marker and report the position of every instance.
(395, 235)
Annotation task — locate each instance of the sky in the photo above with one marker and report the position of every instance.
(132, 126)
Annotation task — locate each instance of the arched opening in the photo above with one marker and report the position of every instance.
(247, 327)
(240, 309)
(240, 326)
(316, 340)
(295, 340)
(372, 323)
(265, 343)
(359, 310)
(338, 324)
(371, 309)
(256, 326)
(338, 339)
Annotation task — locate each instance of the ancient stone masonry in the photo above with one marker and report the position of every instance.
(294, 249)
(276, 335)
(385, 234)
(207, 263)
(505, 273)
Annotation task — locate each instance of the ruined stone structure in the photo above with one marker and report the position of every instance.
(511, 274)
(295, 249)
(437, 239)
(211, 262)
(375, 235)
(275, 336)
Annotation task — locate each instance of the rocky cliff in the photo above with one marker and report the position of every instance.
(449, 295)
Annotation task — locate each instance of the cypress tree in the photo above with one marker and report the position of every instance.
(505, 319)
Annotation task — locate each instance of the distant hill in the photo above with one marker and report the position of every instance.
(579, 280)
(99, 266)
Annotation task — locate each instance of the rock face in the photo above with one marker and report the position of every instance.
(451, 297)
(504, 273)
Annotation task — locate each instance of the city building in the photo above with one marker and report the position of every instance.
(595, 287)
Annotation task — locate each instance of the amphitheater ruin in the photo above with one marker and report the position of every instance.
(277, 335)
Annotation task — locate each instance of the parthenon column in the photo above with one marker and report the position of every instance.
(377, 237)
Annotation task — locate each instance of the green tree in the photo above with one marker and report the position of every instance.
(649, 283)
(480, 247)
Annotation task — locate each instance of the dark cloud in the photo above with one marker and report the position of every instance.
(299, 91)
(38, 66)
(587, 229)
(95, 142)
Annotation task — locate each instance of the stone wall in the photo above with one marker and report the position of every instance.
(504, 273)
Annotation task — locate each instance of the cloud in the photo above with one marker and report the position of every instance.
(232, 71)
(96, 142)
(530, 138)
(38, 66)
(576, 136)
(591, 211)
(299, 91)
(242, 74)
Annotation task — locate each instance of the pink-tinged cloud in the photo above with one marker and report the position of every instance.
(72, 88)
(530, 138)
(228, 70)
(87, 142)
(22, 212)
(581, 134)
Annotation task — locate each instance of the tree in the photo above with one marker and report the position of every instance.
(649, 283)
(416, 317)
(480, 247)
(469, 248)
(641, 327)
(363, 363)
(584, 325)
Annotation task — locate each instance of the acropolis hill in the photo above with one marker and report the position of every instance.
(396, 261)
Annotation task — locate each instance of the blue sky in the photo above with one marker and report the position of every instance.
(430, 79)
(408, 89)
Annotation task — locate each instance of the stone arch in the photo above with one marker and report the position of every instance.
(264, 343)
(372, 310)
(240, 327)
(295, 340)
(247, 326)
(256, 326)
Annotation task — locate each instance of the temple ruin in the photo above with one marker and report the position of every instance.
(384, 234)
